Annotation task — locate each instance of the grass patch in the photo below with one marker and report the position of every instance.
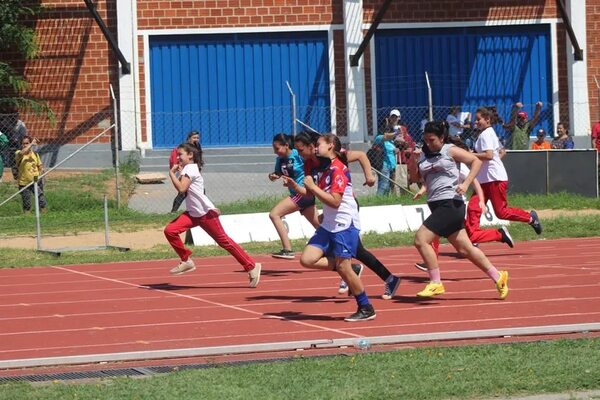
(482, 371)
(555, 228)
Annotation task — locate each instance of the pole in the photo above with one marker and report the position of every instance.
(116, 124)
(429, 97)
(38, 229)
(293, 108)
(308, 127)
(106, 238)
(598, 100)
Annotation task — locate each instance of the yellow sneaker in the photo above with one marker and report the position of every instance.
(502, 284)
(432, 289)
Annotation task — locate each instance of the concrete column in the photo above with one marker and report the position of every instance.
(355, 76)
(128, 93)
(579, 108)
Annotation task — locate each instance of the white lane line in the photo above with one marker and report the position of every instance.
(211, 302)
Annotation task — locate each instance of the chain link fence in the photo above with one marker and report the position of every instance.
(237, 154)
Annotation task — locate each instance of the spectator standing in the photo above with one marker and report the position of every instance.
(457, 121)
(405, 158)
(596, 136)
(3, 146)
(596, 144)
(385, 139)
(562, 141)
(541, 143)
(15, 130)
(29, 168)
(193, 138)
(519, 126)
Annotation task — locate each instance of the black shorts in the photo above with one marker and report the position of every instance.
(447, 217)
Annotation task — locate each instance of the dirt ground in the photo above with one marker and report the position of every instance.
(149, 238)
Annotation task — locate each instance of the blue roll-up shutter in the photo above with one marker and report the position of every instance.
(232, 87)
(470, 67)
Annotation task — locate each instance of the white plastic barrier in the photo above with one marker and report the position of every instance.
(257, 227)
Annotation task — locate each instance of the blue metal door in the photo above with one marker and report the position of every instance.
(232, 88)
(469, 67)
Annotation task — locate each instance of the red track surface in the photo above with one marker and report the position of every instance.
(126, 307)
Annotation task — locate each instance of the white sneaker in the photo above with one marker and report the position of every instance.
(254, 275)
(183, 267)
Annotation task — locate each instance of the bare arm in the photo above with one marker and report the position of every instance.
(513, 116)
(331, 199)
(468, 159)
(479, 192)
(292, 184)
(536, 114)
(182, 183)
(486, 155)
(365, 164)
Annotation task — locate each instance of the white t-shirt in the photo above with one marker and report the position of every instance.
(452, 130)
(491, 170)
(196, 202)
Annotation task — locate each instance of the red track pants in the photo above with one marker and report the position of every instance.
(212, 225)
(496, 193)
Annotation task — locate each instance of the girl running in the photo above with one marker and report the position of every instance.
(475, 209)
(439, 170)
(200, 212)
(335, 242)
(314, 166)
(289, 164)
(493, 177)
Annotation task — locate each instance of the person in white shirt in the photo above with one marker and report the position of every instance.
(200, 212)
(456, 121)
(493, 177)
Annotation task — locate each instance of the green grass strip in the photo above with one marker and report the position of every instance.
(435, 373)
(555, 228)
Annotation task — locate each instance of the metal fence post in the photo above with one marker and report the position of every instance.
(293, 108)
(429, 97)
(38, 229)
(116, 130)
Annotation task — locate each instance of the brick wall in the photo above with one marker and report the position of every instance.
(230, 13)
(72, 72)
(461, 10)
(76, 65)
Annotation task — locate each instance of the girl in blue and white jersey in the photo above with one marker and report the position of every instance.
(335, 242)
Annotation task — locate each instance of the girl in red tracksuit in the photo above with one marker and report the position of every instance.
(200, 212)
(493, 177)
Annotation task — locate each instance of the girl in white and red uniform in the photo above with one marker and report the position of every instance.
(335, 242)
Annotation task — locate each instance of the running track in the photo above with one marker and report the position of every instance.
(136, 310)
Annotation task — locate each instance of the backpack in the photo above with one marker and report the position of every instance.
(376, 154)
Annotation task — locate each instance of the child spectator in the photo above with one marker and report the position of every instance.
(29, 168)
(193, 138)
(541, 143)
(563, 141)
